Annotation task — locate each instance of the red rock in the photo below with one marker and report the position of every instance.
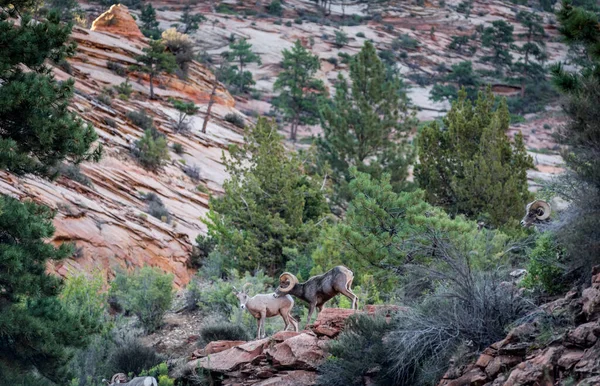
(585, 335)
(483, 360)
(118, 20)
(330, 321)
(591, 301)
(298, 352)
(501, 363)
(570, 358)
(290, 378)
(283, 335)
(221, 345)
(536, 371)
(475, 377)
(231, 359)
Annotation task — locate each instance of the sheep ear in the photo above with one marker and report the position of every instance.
(235, 290)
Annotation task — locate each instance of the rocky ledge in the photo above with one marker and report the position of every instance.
(559, 346)
(286, 358)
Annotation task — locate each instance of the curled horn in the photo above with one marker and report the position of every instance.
(246, 286)
(235, 290)
(287, 281)
(541, 209)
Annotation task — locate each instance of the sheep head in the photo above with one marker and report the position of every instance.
(535, 211)
(287, 281)
(242, 295)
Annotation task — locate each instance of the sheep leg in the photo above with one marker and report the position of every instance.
(258, 322)
(352, 296)
(263, 317)
(293, 322)
(311, 309)
(284, 316)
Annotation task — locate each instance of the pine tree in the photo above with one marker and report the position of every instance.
(241, 53)
(185, 109)
(470, 167)
(299, 89)
(155, 61)
(461, 76)
(365, 125)
(149, 23)
(270, 205)
(190, 21)
(36, 330)
(37, 130)
(579, 231)
(533, 49)
(499, 37)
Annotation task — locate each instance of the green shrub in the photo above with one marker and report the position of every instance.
(193, 172)
(544, 271)
(360, 35)
(105, 99)
(73, 172)
(223, 331)
(341, 38)
(116, 68)
(134, 357)
(235, 119)
(124, 90)
(141, 120)
(275, 8)
(288, 23)
(161, 373)
(151, 150)
(156, 208)
(405, 42)
(177, 148)
(85, 298)
(356, 351)
(147, 293)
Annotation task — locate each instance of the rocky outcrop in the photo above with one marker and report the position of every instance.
(286, 358)
(543, 352)
(118, 21)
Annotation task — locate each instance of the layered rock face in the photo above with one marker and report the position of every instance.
(541, 352)
(107, 218)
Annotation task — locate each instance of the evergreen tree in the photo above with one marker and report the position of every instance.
(37, 130)
(365, 125)
(498, 37)
(155, 61)
(533, 49)
(578, 231)
(299, 89)
(270, 207)
(185, 109)
(190, 22)
(461, 76)
(36, 330)
(459, 43)
(66, 8)
(241, 54)
(149, 23)
(470, 167)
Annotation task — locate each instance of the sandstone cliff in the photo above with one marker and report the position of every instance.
(107, 219)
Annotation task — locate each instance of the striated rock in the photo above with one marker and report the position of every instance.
(298, 352)
(330, 321)
(231, 359)
(117, 20)
(291, 378)
(216, 347)
(584, 335)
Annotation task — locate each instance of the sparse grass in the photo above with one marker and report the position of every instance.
(235, 119)
(223, 331)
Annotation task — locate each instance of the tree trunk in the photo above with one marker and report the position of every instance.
(151, 85)
(211, 101)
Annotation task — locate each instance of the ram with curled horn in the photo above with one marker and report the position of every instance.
(319, 289)
(536, 212)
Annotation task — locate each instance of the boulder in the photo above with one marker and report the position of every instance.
(330, 321)
(231, 359)
(298, 352)
(585, 335)
(591, 297)
(216, 347)
(118, 20)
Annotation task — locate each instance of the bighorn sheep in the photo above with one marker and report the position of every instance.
(319, 289)
(121, 379)
(536, 211)
(264, 306)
